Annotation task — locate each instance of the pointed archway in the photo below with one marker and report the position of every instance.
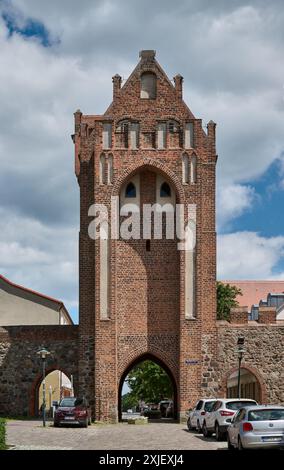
(159, 362)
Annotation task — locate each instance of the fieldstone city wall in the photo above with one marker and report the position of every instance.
(21, 368)
(264, 357)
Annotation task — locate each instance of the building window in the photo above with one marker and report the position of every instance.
(185, 169)
(165, 190)
(130, 190)
(174, 137)
(102, 168)
(134, 135)
(148, 85)
(188, 135)
(107, 136)
(121, 133)
(110, 169)
(148, 245)
(162, 133)
(173, 127)
(193, 169)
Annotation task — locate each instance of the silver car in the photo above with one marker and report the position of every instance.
(257, 427)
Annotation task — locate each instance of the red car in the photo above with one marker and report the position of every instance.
(73, 410)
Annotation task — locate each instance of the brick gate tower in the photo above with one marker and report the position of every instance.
(142, 297)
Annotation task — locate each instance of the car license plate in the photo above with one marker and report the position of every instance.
(70, 418)
(272, 439)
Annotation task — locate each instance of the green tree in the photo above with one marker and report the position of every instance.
(128, 401)
(149, 382)
(226, 299)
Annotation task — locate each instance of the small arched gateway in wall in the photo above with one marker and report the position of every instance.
(251, 384)
(154, 359)
(21, 368)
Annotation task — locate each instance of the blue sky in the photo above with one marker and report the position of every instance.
(31, 28)
(265, 216)
(60, 56)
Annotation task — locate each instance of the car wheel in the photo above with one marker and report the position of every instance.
(240, 445)
(85, 424)
(219, 435)
(189, 426)
(230, 446)
(198, 427)
(56, 425)
(205, 431)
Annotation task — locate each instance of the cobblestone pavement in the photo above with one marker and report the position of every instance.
(30, 435)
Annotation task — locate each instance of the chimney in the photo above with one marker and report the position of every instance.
(77, 119)
(147, 55)
(116, 80)
(178, 79)
(211, 131)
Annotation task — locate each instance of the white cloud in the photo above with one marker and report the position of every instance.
(247, 255)
(41, 257)
(230, 54)
(232, 201)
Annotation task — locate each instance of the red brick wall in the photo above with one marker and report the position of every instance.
(239, 315)
(147, 288)
(267, 315)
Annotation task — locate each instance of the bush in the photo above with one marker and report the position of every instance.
(2, 434)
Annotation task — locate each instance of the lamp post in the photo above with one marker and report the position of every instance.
(240, 351)
(43, 353)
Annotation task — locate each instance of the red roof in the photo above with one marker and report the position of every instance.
(254, 291)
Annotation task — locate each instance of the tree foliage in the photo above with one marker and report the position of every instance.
(128, 401)
(226, 299)
(149, 382)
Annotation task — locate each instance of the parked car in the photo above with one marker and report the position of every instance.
(170, 410)
(256, 427)
(221, 415)
(164, 406)
(197, 415)
(153, 411)
(73, 410)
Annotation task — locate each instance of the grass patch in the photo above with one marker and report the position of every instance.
(3, 434)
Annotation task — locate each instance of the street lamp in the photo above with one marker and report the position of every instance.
(240, 350)
(43, 353)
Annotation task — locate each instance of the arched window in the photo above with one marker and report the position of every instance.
(185, 169)
(193, 165)
(148, 85)
(130, 190)
(110, 169)
(165, 190)
(102, 168)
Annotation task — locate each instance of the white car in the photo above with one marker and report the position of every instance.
(197, 415)
(257, 427)
(221, 415)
